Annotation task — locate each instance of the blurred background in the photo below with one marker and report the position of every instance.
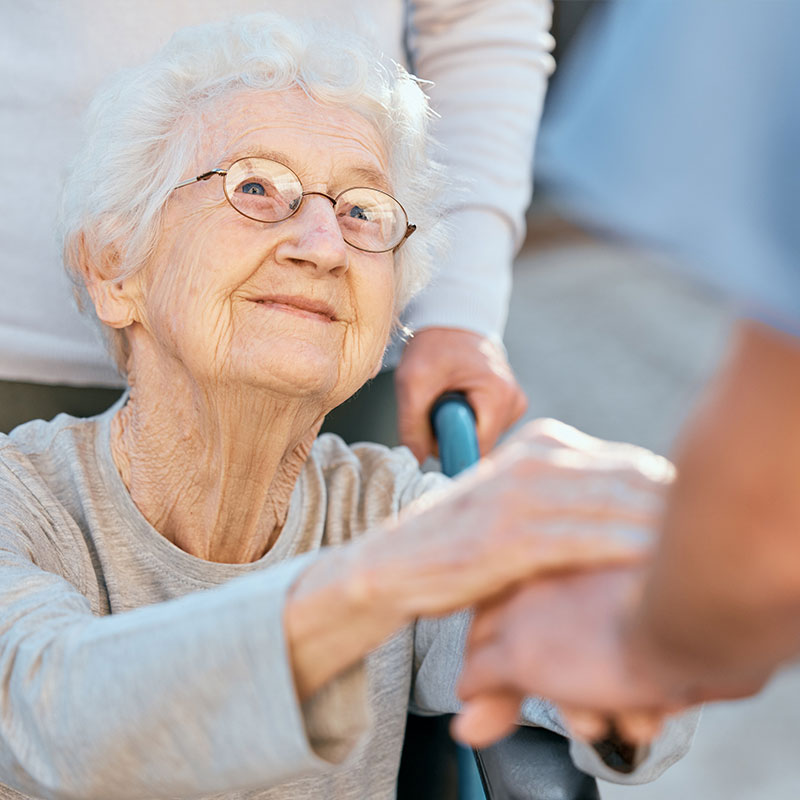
(616, 318)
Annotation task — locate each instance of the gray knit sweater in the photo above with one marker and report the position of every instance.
(131, 669)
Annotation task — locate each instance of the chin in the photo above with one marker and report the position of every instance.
(298, 367)
(295, 371)
(296, 382)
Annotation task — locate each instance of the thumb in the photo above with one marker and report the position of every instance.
(583, 724)
(487, 718)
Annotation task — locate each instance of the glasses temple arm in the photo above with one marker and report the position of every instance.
(409, 230)
(204, 177)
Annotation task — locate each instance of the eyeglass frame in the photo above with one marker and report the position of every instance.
(222, 172)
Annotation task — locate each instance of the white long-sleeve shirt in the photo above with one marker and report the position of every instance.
(488, 60)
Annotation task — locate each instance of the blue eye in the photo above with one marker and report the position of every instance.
(253, 188)
(358, 213)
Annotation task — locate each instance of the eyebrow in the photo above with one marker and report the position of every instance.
(371, 177)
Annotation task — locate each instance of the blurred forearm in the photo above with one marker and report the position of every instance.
(721, 608)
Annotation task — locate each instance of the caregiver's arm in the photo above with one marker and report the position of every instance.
(488, 61)
(722, 605)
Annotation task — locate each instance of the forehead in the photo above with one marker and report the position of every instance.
(321, 143)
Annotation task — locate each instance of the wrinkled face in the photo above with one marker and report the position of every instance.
(287, 306)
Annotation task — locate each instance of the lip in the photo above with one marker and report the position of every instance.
(302, 305)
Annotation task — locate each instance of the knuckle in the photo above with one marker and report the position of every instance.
(412, 369)
(518, 467)
(548, 431)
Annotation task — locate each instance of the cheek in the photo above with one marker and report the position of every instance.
(375, 301)
(187, 300)
(374, 311)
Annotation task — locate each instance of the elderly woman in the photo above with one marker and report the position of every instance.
(175, 619)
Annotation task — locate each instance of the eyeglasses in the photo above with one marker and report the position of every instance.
(268, 191)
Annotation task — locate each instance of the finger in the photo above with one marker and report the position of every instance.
(588, 726)
(487, 719)
(556, 519)
(561, 434)
(507, 566)
(565, 470)
(497, 406)
(487, 621)
(553, 488)
(489, 425)
(639, 727)
(484, 672)
(541, 549)
(518, 405)
(415, 436)
(546, 435)
(565, 476)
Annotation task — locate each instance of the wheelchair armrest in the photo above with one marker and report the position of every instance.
(533, 764)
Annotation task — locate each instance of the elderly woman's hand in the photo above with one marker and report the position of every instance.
(552, 499)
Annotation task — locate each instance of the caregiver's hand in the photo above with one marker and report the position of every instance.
(564, 638)
(439, 360)
(551, 499)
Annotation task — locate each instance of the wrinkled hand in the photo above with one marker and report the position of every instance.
(564, 638)
(438, 360)
(550, 499)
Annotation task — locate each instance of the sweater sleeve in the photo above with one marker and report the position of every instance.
(488, 61)
(650, 761)
(182, 698)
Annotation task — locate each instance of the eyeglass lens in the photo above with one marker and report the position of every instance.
(268, 191)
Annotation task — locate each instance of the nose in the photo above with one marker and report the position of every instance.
(312, 237)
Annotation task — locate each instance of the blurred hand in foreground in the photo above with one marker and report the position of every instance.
(438, 360)
(564, 638)
(573, 639)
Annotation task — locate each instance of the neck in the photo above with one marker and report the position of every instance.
(212, 470)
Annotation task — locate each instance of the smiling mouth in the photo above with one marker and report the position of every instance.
(300, 307)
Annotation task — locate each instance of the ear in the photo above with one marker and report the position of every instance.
(112, 297)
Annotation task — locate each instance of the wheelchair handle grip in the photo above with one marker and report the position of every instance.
(453, 422)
